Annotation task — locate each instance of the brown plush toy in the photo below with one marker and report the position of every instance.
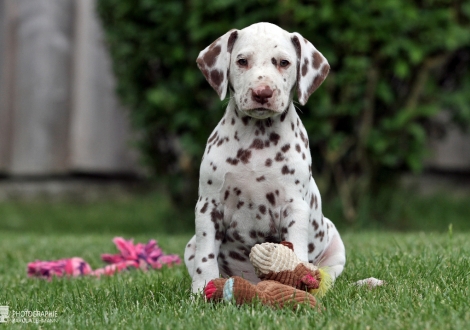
(285, 279)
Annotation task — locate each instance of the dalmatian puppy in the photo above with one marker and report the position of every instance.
(256, 181)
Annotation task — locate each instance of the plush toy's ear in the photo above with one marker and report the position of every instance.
(312, 67)
(214, 62)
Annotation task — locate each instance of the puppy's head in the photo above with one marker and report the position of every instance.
(263, 65)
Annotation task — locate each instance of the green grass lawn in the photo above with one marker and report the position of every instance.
(427, 274)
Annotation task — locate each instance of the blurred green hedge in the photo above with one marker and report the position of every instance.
(394, 65)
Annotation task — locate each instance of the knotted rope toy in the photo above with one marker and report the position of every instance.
(140, 256)
(285, 279)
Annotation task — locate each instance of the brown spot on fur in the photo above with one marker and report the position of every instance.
(204, 208)
(257, 144)
(285, 148)
(318, 79)
(262, 209)
(219, 235)
(279, 157)
(297, 46)
(216, 78)
(227, 270)
(236, 256)
(245, 251)
(199, 271)
(274, 138)
(311, 248)
(268, 162)
(270, 197)
(305, 67)
(232, 161)
(261, 178)
(231, 40)
(285, 170)
(320, 234)
(210, 56)
(317, 60)
(238, 237)
(244, 155)
(284, 114)
(216, 215)
(315, 225)
(261, 127)
(212, 137)
(304, 139)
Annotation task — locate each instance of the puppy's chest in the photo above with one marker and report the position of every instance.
(257, 150)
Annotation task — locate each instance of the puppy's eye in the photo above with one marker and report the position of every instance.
(284, 63)
(242, 62)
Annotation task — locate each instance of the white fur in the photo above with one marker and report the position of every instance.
(255, 181)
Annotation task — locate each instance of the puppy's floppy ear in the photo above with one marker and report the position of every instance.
(214, 62)
(312, 67)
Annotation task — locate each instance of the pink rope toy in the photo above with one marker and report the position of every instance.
(140, 256)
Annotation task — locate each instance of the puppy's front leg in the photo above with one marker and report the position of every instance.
(209, 235)
(294, 228)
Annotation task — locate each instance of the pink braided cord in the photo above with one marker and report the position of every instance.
(142, 256)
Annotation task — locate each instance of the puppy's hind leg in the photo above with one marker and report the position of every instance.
(334, 257)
